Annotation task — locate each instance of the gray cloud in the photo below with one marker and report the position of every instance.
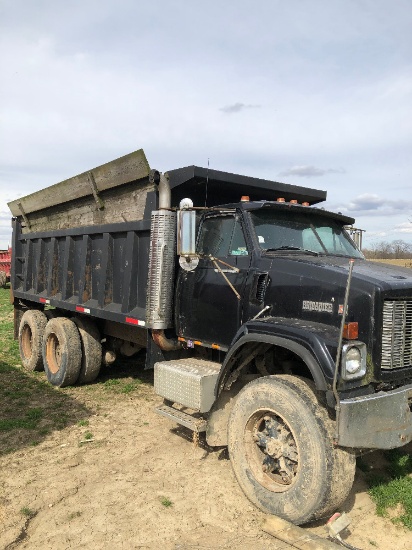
(307, 171)
(237, 107)
(369, 204)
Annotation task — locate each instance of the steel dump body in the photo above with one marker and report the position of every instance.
(100, 268)
(70, 254)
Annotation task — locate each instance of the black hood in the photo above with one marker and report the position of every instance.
(313, 289)
(386, 276)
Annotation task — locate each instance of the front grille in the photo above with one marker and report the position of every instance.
(397, 334)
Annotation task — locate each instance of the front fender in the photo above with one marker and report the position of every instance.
(312, 342)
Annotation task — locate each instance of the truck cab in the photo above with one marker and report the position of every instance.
(262, 256)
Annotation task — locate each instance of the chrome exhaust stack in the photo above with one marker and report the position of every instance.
(161, 258)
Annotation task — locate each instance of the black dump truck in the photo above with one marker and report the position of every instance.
(266, 327)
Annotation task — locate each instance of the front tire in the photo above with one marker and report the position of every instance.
(281, 448)
(62, 352)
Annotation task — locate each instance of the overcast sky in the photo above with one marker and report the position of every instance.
(315, 93)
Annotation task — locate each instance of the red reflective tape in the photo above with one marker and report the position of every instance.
(44, 301)
(82, 309)
(132, 321)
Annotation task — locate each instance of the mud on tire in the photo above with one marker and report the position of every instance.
(31, 331)
(62, 352)
(281, 448)
(91, 350)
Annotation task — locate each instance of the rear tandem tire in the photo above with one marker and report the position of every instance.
(62, 352)
(91, 350)
(31, 331)
(281, 448)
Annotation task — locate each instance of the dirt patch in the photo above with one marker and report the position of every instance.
(119, 476)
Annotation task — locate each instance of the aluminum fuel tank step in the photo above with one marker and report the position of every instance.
(190, 382)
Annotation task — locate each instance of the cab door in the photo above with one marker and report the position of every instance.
(209, 309)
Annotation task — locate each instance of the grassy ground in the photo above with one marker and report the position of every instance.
(391, 485)
(30, 408)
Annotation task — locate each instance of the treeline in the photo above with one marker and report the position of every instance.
(384, 250)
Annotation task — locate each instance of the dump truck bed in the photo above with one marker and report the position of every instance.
(83, 244)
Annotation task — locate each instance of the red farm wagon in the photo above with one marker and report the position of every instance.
(5, 263)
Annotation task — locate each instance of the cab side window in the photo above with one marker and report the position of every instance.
(221, 236)
(238, 245)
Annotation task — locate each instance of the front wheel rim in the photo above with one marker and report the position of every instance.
(271, 451)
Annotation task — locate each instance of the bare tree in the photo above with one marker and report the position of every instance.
(397, 249)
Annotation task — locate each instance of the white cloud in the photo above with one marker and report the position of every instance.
(404, 228)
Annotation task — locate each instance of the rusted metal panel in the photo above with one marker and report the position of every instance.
(122, 204)
(123, 170)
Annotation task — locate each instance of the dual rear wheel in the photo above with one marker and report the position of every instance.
(69, 350)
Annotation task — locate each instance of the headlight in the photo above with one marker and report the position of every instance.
(353, 364)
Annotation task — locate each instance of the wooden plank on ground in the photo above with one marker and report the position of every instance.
(296, 536)
(112, 174)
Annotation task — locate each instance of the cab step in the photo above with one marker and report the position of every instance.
(195, 424)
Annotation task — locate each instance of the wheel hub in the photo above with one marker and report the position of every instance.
(276, 442)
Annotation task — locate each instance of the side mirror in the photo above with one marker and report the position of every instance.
(186, 235)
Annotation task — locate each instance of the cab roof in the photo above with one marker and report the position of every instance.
(208, 187)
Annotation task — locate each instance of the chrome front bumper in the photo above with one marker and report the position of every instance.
(379, 421)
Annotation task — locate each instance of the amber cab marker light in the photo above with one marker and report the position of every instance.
(351, 331)
(305, 204)
(244, 198)
(293, 201)
(280, 199)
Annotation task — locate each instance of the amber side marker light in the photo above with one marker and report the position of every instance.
(351, 331)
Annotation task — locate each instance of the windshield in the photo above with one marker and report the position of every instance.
(287, 231)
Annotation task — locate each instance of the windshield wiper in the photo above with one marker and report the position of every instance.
(288, 247)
